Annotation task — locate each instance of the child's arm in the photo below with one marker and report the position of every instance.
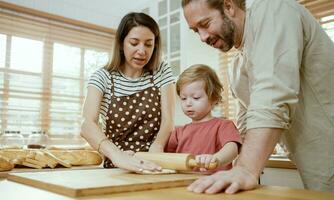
(227, 153)
(224, 156)
(172, 143)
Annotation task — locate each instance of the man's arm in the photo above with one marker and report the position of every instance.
(258, 145)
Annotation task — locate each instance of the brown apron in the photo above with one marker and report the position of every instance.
(133, 121)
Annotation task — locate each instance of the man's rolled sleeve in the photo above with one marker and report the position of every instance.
(275, 60)
(268, 118)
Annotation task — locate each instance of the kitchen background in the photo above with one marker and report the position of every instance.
(49, 48)
(45, 63)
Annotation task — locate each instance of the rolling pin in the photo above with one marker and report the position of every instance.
(176, 161)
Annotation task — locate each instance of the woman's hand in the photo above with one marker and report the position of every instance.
(125, 160)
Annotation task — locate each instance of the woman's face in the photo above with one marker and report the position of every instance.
(138, 48)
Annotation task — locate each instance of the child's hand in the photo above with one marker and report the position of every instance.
(203, 161)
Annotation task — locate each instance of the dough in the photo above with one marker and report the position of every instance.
(163, 171)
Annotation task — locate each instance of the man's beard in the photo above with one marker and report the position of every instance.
(227, 33)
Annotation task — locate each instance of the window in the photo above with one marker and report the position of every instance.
(26, 54)
(44, 69)
(229, 103)
(327, 24)
(323, 11)
(3, 39)
(169, 23)
(162, 7)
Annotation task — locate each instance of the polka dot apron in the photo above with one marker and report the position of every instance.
(133, 121)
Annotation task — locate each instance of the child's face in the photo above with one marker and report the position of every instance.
(195, 102)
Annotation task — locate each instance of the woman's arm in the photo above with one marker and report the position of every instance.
(167, 118)
(89, 128)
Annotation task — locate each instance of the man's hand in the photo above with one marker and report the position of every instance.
(232, 181)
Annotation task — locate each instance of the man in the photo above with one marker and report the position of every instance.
(283, 79)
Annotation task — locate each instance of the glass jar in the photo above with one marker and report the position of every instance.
(11, 140)
(37, 140)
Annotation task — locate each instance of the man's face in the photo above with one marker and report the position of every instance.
(213, 27)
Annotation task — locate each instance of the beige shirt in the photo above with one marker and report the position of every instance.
(284, 78)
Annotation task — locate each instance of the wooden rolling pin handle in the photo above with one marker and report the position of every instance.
(192, 163)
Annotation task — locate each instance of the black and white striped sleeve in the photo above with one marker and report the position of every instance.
(164, 75)
(99, 80)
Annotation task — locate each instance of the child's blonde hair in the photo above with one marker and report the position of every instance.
(213, 86)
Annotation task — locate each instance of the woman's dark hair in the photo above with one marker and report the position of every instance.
(128, 22)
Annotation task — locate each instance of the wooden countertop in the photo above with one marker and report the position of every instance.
(284, 163)
(13, 191)
(4, 174)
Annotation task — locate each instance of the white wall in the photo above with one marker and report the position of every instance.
(194, 51)
(106, 13)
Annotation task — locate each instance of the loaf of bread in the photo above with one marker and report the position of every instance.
(78, 157)
(51, 158)
(5, 164)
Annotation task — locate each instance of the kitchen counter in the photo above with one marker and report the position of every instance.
(13, 191)
(280, 162)
(10, 190)
(4, 174)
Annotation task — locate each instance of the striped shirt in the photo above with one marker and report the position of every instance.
(125, 86)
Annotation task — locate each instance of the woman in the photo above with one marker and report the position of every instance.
(133, 96)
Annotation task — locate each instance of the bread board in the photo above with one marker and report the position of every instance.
(75, 183)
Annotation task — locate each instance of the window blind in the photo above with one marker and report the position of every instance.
(44, 68)
(228, 107)
(322, 10)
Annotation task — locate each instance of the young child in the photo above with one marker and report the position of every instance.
(209, 138)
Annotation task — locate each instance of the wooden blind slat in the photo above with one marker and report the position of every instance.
(51, 102)
(23, 27)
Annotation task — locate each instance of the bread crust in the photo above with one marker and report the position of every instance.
(5, 164)
(66, 158)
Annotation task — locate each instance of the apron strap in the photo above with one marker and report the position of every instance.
(112, 85)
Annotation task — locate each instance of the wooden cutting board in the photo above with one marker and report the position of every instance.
(99, 181)
(4, 174)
